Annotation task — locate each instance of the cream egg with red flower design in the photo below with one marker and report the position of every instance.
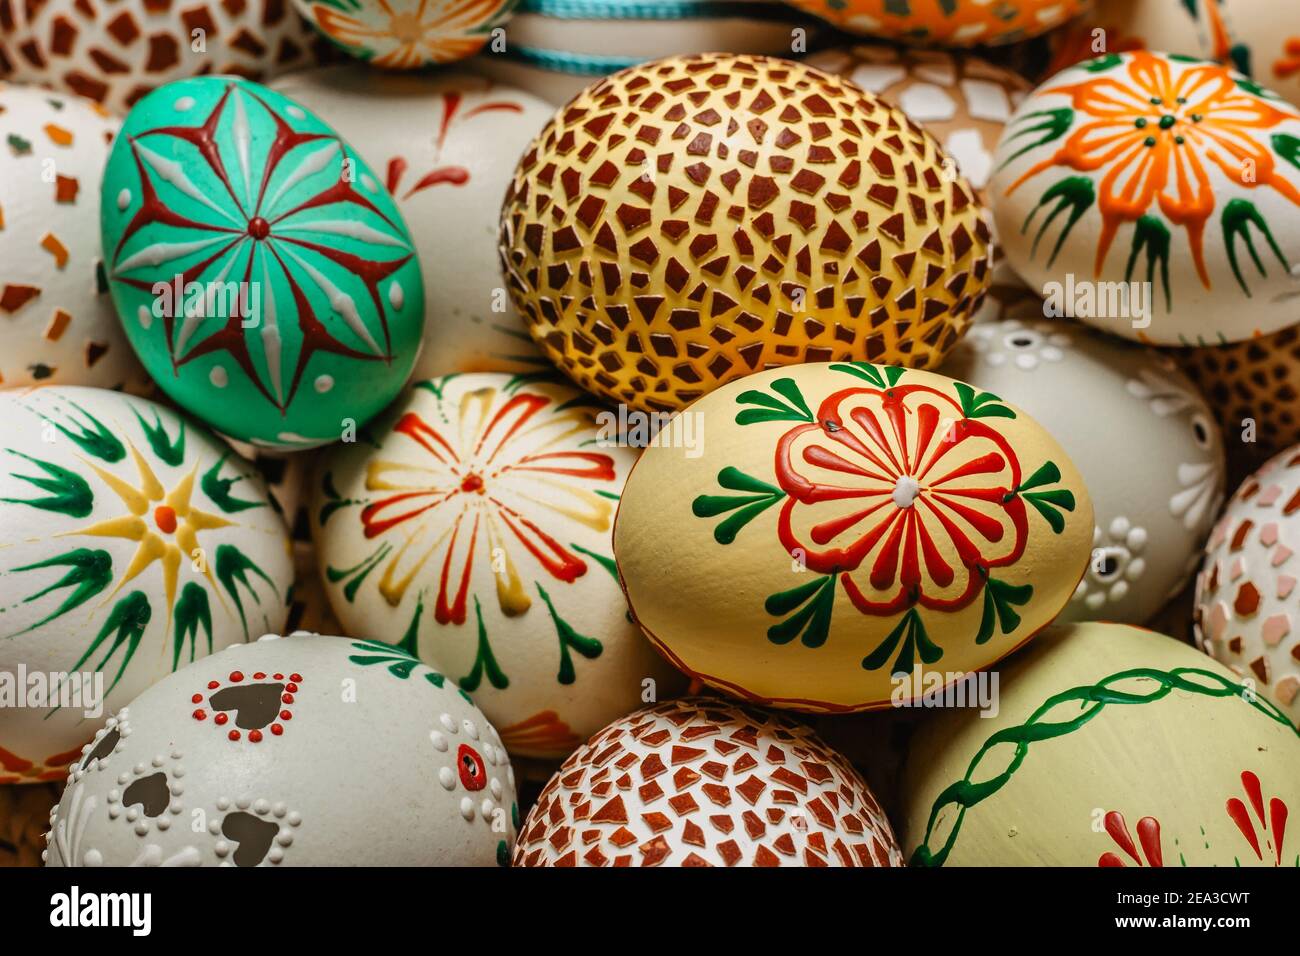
(847, 523)
(1174, 179)
(471, 525)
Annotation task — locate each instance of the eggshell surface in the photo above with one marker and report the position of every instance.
(1153, 514)
(695, 219)
(115, 53)
(1148, 168)
(264, 276)
(476, 531)
(446, 146)
(703, 782)
(945, 22)
(132, 542)
(407, 34)
(845, 523)
(279, 746)
(57, 323)
(1244, 612)
(1112, 746)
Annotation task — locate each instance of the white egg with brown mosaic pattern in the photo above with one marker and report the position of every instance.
(704, 782)
(1246, 592)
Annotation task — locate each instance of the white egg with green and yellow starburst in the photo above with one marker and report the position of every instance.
(131, 541)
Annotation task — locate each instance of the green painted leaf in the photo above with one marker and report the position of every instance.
(92, 436)
(172, 451)
(1046, 474)
(881, 376)
(1103, 63)
(1000, 601)
(232, 567)
(609, 564)
(980, 404)
(69, 492)
(357, 572)
(1238, 216)
(219, 489)
(911, 639)
(813, 622)
(89, 573)
(192, 611)
(772, 409)
(746, 506)
(1287, 147)
(1152, 236)
(485, 661)
(126, 623)
(1050, 127)
(588, 647)
(1075, 193)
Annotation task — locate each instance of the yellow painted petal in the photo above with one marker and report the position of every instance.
(149, 482)
(171, 561)
(127, 526)
(150, 550)
(205, 521)
(179, 497)
(136, 501)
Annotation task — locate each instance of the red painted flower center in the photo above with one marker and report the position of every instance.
(473, 772)
(165, 518)
(259, 228)
(472, 483)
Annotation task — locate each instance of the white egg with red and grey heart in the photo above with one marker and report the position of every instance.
(259, 755)
(134, 541)
(473, 527)
(446, 146)
(1152, 515)
(1173, 180)
(57, 323)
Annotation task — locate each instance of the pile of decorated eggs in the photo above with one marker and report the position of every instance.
(649, 434)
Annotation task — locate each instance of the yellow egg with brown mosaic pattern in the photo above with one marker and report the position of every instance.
(695, 219)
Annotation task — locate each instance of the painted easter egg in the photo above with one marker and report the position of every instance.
(961, 100)
(557, 48)
(1254, 389)
(114, 53)
(407, 34)
(260, 742)
(475, 530)
(1160, 194)
(132, 542)
(447, 145)
(1244, 594)
(57, 323)
(263, 274)
(1260, 38)
(845, 523)
(1111, 746)
(696, 219)
(945, 22)
(1122, 26)
(1151, 514)
(704, 782)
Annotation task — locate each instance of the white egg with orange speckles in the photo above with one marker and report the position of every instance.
(57, 323)
(295, 751)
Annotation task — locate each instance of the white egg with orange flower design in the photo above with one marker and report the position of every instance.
(472, 525)
(1156, 197)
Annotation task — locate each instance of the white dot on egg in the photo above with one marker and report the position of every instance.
(295, 112)
(467, 808)
(144, 317)
(448, 723)
(218, 377)
(471, 731)
(324, 383)
(124, 199)
(396, 297)
(447, 777)
(486, 808)
(184, 104)
(1026, 362)
(439, 741)
(368, 183)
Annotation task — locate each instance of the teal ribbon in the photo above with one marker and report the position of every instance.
(656, 9)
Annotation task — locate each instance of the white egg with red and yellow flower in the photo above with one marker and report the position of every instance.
(1156, 196)
(1111, 746)
(291, 751)
(845, 523)
(133, 541)
(473, 528)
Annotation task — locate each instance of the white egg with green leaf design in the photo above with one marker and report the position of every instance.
(132, 541)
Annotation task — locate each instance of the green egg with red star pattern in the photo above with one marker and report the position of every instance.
(263, 274)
